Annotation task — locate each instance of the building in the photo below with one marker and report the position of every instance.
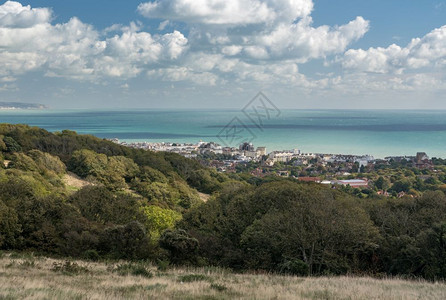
(421, 156)
(283, 173)
(246, 147)
(261, 151)
(354, 183)
(422, 161)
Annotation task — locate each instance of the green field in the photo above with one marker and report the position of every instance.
(28, 277)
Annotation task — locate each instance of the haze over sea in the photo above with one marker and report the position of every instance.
(377, 132)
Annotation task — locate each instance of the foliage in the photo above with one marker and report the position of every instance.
(128, 241)
(145, 205)
(100, 205)
(9, 227)
(69, 268)
(294, 267)
(133, 269)
(11, 144)
(91, 255)
(193, 278)
(159, 219)
(219, 287)
(111, 171)
(182, 247)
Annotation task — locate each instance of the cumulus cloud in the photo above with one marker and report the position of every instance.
(428, 51)
(303, 42)
(13, 14)
(227, 12)
(258, 30)
(126, 55)
(244, 38)
(228, 41)
(176, 74)
(28, 41)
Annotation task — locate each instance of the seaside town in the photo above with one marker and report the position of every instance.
(329, 169)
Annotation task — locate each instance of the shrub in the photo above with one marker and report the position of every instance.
(294, 267)
(125, 242)
(133, 269)
(163, 264)
(218, 287)
(159, 219)
(11, 144)
(193, 278)
(91, 255)
(69, 268)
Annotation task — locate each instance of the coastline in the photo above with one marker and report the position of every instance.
(311, 131)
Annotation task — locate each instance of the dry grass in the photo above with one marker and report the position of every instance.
(72, 180)
(204, 197)
(23, 277)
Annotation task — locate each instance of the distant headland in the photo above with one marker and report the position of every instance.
(20, 105)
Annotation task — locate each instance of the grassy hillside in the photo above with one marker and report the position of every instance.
(45, 278)
(70, 195)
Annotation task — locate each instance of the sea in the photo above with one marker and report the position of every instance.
(379, 133)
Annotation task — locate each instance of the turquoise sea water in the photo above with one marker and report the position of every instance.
(375, 132)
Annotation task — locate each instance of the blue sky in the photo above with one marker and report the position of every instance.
(219, 53)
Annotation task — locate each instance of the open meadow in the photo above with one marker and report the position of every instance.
(29, 277)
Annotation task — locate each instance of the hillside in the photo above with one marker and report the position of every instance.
(46, 278)
(69, 195)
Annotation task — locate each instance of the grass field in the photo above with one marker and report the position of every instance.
(29, 277)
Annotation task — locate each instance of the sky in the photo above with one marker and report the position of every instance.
(212, 54)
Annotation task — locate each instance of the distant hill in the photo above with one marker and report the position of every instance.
(21, 105)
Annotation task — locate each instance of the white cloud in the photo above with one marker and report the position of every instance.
(257, 52)
(428, 51)
(128, 54)
(303, 42)
(13, 14)
(163, 25)
(184, 74)
(227, 12)
(232, 43)
(28, 41)
(232, 50)
(280, 29)
(75, 49)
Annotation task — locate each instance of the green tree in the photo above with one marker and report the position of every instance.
(100, 205)
(382, 183)
(11, 144)
(9, 227)
(181, 246)
(128, 241)
(159, 219)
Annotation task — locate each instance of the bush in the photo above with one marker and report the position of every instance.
(91, 255)
(163, 264)
(181, 246)
(69, 268)
(294, 267)
(159, 219)
(218, 287)
(125, 242)
(133, 269)
(193, 278)
(11, 145)
(9, 226)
